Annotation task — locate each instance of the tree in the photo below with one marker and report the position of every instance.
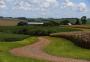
(64, 22)
(1, 17)
(21, 23)
(22, 18)
(77, 22)
(84, 19)
(51, 23)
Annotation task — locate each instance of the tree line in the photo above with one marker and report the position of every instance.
(55, 22)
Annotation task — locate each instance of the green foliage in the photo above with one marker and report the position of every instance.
(64, 22)
(84, 19)
(51, 23)
(22, 23)
(77, 22)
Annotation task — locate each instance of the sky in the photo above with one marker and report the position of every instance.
(45, 8)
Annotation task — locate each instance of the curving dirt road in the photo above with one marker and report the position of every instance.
(35, 51)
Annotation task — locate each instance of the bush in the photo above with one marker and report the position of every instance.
(22, 23)
(64, 22)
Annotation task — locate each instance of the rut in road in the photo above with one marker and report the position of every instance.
(35, 51)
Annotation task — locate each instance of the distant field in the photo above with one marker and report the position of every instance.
(8, 22)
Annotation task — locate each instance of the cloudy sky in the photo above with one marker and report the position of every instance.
(45, 8)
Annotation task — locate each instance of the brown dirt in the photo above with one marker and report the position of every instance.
(35, 51)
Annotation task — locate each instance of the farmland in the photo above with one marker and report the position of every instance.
(44, 31)
(8, 22)
(66, 41)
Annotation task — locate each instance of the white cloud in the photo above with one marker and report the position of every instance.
(82, 7)
(68, 3)
(23, 5)
(2, 4)
(40, 4)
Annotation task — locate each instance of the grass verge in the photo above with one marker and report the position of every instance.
(5, 56)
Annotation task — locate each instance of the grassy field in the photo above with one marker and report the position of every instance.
(5, 56)
(65, 48)
(8, 37)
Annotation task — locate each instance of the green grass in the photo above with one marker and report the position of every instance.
(7, 37)
(5, 56)
(65, 48)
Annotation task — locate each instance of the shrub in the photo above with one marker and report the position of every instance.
(64, 22)
(21, 23)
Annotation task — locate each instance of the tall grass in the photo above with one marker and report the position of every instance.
(81, 39)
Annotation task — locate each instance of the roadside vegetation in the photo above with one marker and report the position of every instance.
(5, 56)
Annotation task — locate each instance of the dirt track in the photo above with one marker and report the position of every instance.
(35, 51)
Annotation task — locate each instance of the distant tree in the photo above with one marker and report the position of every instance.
(77, 22)
(22, 18)
(21, 23)
(31, 20)
(1, 17)
(64, 22)
(51, 23)
(84, 19)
